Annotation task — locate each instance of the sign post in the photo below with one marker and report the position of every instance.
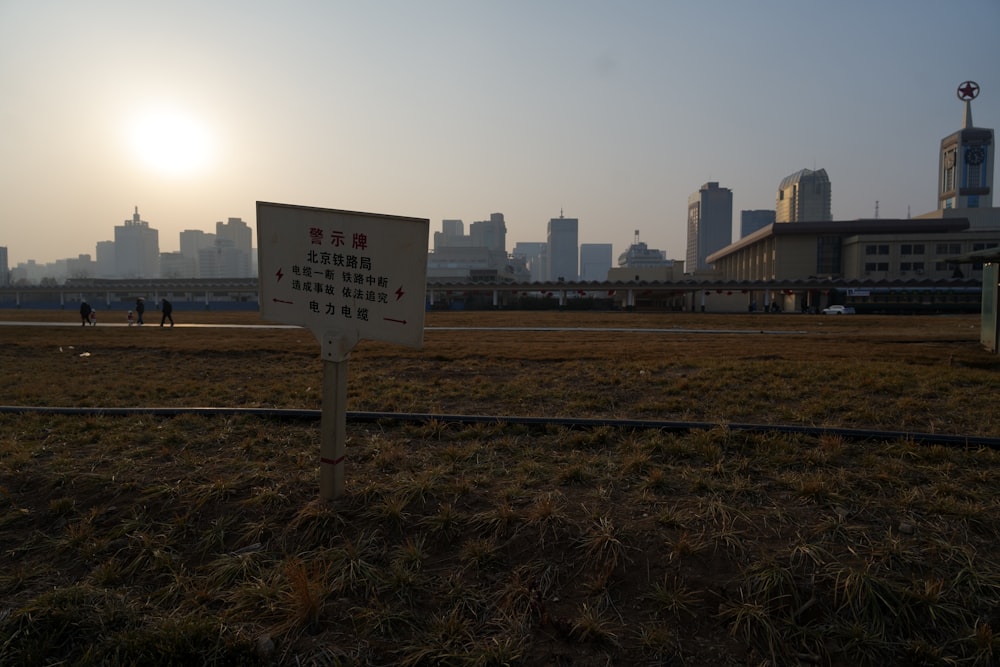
(333, 430)
(345, 276)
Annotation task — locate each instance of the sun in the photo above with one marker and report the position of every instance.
(172, 142)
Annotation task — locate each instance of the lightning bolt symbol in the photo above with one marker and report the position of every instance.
(279, 274)
(399, 293)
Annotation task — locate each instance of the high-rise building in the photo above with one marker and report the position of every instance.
(209, 264)
(595, 261)
(804, 197)
(710, 224)
(4, 267)
(137, 249)
(752, 220)
(480, 256)
(965, 171)
(193, 241)
(533, 254)
(106, 259)
(563, 248)
(490, 233)
(452, 235)
(222, 260)
(453, 227)
(234, 255)
(176, 265)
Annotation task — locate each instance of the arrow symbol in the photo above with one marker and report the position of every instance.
(390, 319)
(282, 301)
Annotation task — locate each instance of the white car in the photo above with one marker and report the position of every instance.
(838, 310)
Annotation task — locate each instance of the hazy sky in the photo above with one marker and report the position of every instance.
(614, 112)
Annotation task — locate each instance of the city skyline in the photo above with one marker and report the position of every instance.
(451, 110)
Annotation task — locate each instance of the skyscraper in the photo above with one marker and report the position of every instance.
(804, 197)
(137, 249)
(533, 254)
(193, 241)
(595, 261)
(105, 253)
(452, 235)
(482, 255)
(490, 233)
(563, 248)
(710, 224)
(234, 245)
(453, 227)
(176, 265)
(752, 220)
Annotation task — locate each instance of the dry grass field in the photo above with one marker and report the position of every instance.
(199, 539)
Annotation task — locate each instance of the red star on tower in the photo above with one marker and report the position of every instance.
(968, 91)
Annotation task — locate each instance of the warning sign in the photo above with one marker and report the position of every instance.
(343, 274)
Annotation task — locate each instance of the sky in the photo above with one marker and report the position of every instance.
(610, 112)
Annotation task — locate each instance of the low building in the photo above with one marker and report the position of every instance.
(891, 250)
(856, 249)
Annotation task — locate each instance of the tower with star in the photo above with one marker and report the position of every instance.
(965, 170)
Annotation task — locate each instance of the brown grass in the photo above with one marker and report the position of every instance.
(200, 538)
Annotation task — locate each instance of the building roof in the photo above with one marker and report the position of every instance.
(847, 228)
(802, 173)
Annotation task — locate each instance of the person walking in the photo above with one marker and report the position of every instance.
(85, 311)
(140, 306)
(167, 309)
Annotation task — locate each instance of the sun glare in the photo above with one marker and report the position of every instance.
(172, 142)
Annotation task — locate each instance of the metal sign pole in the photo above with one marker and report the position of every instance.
(333, 428)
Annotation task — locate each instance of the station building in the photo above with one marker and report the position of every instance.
(920, 249)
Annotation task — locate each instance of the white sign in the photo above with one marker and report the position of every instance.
(345, 276)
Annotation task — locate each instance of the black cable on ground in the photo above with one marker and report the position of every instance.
(276, 413)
